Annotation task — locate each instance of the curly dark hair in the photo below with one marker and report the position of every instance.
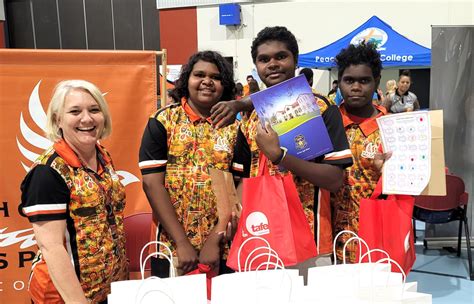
(275, 33)
(224, 67)
(359, 54)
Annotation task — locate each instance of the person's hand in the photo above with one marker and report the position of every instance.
(268, 142)
(380, 159)
(382, 97)
(232, 227)
(211, 251)
(223, 113)
(187, 256)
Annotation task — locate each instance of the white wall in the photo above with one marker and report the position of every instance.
(318, 23)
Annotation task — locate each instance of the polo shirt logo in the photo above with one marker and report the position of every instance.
(369, 151)
(222, 145)
(38, 115)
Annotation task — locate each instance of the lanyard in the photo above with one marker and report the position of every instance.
(108, 199)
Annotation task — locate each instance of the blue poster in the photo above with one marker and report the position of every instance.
(291, 109)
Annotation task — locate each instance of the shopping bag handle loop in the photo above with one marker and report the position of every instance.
(361, 241)
(334, 242)
(263, 165)
(371, 251)
(154, 254)
(266, 264)
(169, 257)
(271, 254)
(253, 238)
(139, 299)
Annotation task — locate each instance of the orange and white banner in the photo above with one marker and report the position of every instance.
(27, 79)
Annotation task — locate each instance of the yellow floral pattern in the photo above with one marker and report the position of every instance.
(359, 182)
(193, 149)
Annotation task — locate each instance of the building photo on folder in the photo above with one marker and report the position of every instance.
(292, 111)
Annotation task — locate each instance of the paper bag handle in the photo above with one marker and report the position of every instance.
(272, 253)
(334, 243)
(360, 248)
(370, 252)
(138, 299)
(245, 242)
(169, 257)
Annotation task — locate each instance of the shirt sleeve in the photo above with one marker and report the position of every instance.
(153, 155)
(44, 195)
(341, 155)
(242, 157)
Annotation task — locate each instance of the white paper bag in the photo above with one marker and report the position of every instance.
(362, 283)
(189, 289)
(265, 286)
(179, 290)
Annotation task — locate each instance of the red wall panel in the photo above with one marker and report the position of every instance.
(2, 34)
(178, 33)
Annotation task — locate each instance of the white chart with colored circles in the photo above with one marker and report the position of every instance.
(408, 136)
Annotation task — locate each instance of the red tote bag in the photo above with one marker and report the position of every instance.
(271, 209)
(387, 224)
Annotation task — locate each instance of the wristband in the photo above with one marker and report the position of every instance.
(282, 156)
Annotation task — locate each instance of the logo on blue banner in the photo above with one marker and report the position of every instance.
(373, 35)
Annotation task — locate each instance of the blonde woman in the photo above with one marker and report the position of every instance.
(391, 86)
(73, 197)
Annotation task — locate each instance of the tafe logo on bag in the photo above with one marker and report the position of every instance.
(257, 223)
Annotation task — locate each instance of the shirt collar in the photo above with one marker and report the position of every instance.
(369, 125)
(404, 94)
(66, 153)
(190, 112)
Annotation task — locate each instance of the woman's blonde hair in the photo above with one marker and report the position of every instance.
(56, 107)
(391, 85)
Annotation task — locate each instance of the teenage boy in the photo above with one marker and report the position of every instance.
(359, 71)
(275, 53)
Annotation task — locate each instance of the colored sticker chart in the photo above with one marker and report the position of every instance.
(408, 136)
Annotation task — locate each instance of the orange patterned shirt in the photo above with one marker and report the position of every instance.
(185, 146)
(359, 180)
(60, 187)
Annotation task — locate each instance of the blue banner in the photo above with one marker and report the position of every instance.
(395, 49)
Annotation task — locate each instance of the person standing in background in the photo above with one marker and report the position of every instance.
(239, 91)
(247, 86)
(253, 86)
(333, 88)
(402, 100)
(391, 86)
(309, 74)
